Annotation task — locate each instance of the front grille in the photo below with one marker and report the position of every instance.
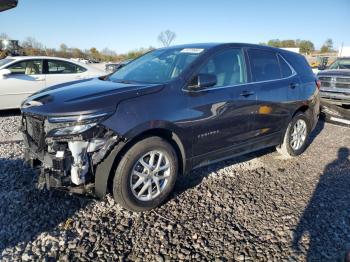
(35, 130)
(335, 82)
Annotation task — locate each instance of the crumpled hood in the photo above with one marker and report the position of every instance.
(84, 97)
(334, 72)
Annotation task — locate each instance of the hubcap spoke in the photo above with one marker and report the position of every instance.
(163, 177)
(156, 181)
(149, 196)
(166, 166)
(144, 188)
(160, 158)
(144, 164)
(151, 160)
(138, 183)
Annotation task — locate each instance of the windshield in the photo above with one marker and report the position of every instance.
(341, 64)
(5, 61)
(157, 66)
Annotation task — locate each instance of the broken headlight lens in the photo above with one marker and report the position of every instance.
(73, 125)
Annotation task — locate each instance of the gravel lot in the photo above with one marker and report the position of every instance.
(257, 207)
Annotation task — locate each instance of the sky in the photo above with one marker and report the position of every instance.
(131, 24)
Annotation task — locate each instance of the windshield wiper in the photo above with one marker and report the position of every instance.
(121, 81)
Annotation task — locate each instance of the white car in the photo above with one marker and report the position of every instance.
(22, 76)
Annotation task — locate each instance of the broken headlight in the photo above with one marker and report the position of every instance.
(73, 125)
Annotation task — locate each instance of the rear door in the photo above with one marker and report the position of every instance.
(59, 71)
(225, 111)
(25, 79)
(277, 87)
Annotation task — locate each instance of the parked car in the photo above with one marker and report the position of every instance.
(168, 112)
(112, 67)
(335, 91)
(22, 76)
(335, 82)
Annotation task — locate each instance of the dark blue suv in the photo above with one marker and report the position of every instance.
(166, 113)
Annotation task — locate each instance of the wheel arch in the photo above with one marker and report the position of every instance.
(301, 109)
(104, 172)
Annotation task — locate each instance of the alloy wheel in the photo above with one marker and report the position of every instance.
(298, 135)
(150, 175)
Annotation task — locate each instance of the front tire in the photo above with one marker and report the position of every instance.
(296, 137)
(145, 175)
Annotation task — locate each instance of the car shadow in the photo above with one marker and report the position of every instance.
(326, 219)
(317, 130)
(10, 112)
(25, 211)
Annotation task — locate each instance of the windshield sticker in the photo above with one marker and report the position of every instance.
(192, 50)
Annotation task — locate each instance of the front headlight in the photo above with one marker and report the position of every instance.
(73, 125)
(80, 118)
(71, 130)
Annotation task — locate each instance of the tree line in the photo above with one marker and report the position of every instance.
(31, 47)
(306, 46)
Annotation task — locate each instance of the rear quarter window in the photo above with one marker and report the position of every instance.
(286, 71)
(264, 65)
(301, 66)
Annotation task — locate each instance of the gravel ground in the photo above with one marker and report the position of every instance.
(258, 207)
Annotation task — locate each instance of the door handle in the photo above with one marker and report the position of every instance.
(39, 79)
(293, 85)
(246, 93)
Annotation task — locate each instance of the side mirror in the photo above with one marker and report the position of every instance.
(201, 81)
(321, 67)
(4, 73)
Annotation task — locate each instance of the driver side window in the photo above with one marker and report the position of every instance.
(228, 67)
(28, 67)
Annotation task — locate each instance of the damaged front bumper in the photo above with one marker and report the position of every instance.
(67, 162)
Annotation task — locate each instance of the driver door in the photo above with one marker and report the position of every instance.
(225, 109)
(25, 79)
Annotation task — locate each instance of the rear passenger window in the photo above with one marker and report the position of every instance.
(264, 65)
(63, 67)
(228, 67)
(285, 68)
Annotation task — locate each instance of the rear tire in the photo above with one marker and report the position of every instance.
(145, 175)
(296, 137)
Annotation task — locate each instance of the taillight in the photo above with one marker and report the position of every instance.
(318, 83)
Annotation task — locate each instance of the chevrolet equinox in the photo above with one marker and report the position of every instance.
(166, 113)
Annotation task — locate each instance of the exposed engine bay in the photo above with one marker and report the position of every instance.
(66, 154)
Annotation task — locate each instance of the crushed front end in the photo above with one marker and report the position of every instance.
(67, 149)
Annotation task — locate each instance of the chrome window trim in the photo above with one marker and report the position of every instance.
(294, 73)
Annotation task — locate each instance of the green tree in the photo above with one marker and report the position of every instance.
(327, 46)
(95, 54)
(77, 53)
(274, 43)
(288, 43)
(306, 46)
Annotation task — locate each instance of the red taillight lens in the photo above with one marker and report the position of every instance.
(318, 83)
